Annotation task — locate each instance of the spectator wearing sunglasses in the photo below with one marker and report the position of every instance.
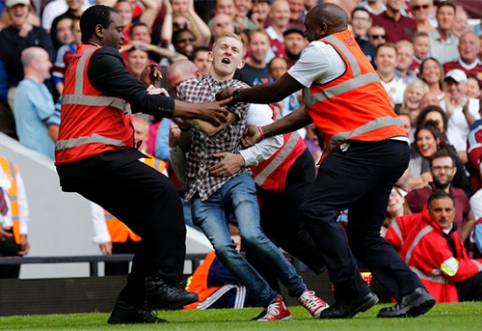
(377, 35)
(421, 12)
(397, 27)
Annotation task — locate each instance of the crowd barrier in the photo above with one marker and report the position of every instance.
(98, 294)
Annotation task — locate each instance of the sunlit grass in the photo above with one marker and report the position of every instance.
(461, 316)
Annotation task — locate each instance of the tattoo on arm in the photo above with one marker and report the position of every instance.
(194, 123)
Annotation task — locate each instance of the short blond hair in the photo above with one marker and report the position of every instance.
(229, 35)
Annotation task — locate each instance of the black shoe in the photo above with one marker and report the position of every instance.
(348, 309)
(160, 295)
(125, 313)
(412, 305)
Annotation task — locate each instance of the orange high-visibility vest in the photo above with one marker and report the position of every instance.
(92, 122)
(11, 171)
(354, 106)
(119, 232)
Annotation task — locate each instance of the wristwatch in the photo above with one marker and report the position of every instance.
(237, 95)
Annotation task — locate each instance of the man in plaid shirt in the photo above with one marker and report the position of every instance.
(214, 195)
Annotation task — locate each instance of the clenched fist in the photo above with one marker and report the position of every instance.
(151, 75)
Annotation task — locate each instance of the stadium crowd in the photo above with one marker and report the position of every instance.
(426, 54)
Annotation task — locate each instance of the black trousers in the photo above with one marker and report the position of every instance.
(359, 179)
(148, 203)
(121, 268)
(9, 247)
(281, 221)
(470, 289)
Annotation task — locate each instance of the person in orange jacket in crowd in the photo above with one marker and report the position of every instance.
(113, 236)
(14, 217)
(431, 246)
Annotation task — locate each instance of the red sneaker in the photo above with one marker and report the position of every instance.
(276, 311)
(312, 303)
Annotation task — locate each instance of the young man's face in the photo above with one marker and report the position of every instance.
(226, 7)
(361, 22)
(405, 56)
(377, 35)
(259, 46)
(386, 59)
(141, 33)
(203, 62)
(294, 43)
(18, 14)
(445, 17)
(443, 171)
(227, 56)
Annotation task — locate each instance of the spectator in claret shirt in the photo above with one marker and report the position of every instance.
(397, 27)
(468, 47)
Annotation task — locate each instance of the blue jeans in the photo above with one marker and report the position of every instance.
(239, 196)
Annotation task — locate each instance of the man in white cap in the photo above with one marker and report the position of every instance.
(461, 110)
(20, 35)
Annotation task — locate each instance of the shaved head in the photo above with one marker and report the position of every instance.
(324, 20)
(180, 71)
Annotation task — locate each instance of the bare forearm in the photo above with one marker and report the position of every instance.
(468, 226)
(292, 122)
(206, 127)
(272, 92)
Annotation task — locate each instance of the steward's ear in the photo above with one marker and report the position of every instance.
(99, 31)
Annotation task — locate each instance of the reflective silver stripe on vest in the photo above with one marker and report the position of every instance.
(396, 227)
(109, 216)
(157, 164)
(13, 198)
(89, 100)
(370, 126)
(79, 99)
(435, 279)
(417, 239)
(358, 81)
(341, 46)
(478, 264)
(94, 138)
(275, 163)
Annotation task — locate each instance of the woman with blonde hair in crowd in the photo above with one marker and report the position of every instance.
(411, 99)
(421, 11)
(432, 73)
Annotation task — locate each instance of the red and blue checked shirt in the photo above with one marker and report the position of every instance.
(200, 159)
